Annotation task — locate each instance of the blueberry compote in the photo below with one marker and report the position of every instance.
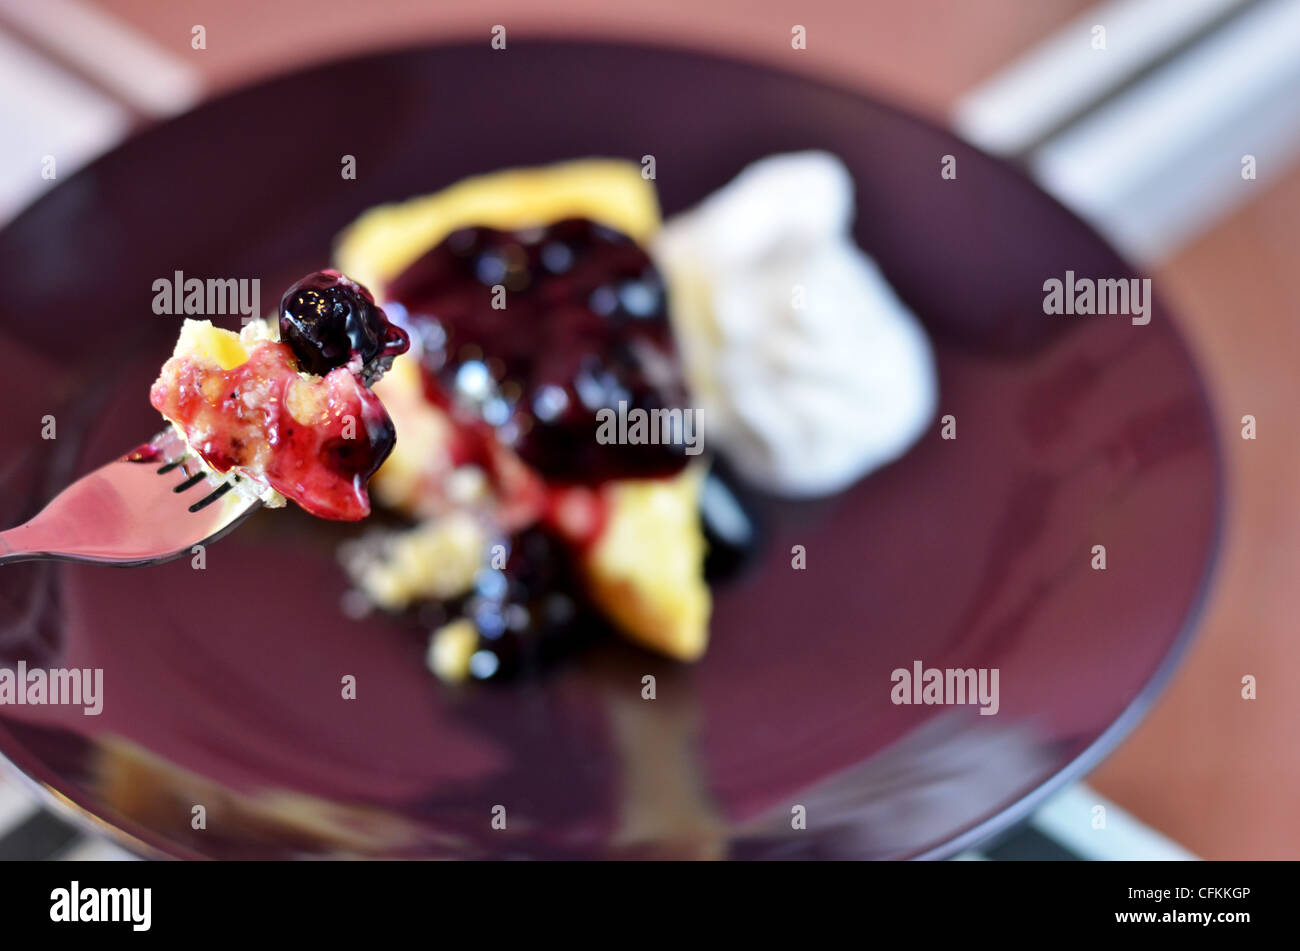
(525, 335)
(533, 331)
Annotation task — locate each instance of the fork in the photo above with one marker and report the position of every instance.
(142, 509)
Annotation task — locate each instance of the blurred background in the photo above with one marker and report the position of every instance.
(1178, 138)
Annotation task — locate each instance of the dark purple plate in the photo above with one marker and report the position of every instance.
(223, 687)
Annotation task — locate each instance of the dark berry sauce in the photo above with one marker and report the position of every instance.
(532, 332)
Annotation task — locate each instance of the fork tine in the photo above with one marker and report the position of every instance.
(191, 482)
(212, 496)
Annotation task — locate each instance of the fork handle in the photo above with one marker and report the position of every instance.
(12, 548)
(28, 542)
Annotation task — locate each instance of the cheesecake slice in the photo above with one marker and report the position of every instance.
(531, 305)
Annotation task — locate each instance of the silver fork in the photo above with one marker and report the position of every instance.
(152, 505)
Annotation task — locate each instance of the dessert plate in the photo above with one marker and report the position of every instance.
(226, 679)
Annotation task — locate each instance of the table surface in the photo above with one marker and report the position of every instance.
(1210, 770)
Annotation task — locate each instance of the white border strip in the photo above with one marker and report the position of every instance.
(46, 112)
(1071, 818)
(144, 75)
(16, 805)
(1164, 161)
(1065, 74)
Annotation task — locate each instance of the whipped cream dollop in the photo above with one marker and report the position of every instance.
(809, 369)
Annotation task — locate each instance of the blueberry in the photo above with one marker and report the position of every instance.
(491, 267)
(326, 319)
(557, 257)
(641, 298)
(603, 300)
(361, 456)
